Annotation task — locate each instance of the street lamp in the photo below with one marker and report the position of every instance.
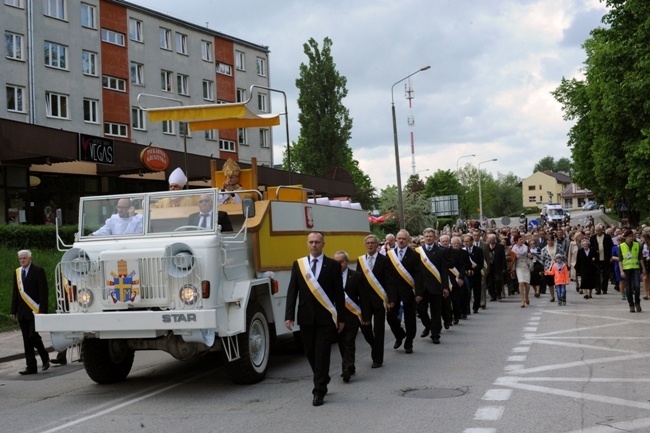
(464, 156)
(400, 202)
(480, 199)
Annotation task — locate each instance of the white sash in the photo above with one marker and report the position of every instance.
(427, 263)
(316, 288)
(400, 268)
(352, 306)
(28, 300)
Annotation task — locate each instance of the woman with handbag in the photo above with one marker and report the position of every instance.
(522, 269)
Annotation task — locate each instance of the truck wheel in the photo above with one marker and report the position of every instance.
(254, 348)
(106, 361)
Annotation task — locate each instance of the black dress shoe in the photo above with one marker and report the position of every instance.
(446, 325)
(475, 311)
(58, 361)
(425, 333)
(435, 339)
(398, 342)
(346, 376)
(463, 316)
(375, 365)
(46, 364)
(318, 400)
(456, 321)
(27, 371)
(408, 349)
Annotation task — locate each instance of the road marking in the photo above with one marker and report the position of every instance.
(480, 430)
(583, 346)
(521, 349)
(514, 367)
(586, 328)
(497, 394)
(578, 379)
(581, 363)
(617, 427)
(517, 358)
(530, 329)
(489, 413)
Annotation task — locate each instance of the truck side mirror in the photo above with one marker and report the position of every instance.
(248, 207)
(59, 218)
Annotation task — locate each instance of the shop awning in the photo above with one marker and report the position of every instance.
(214, 116)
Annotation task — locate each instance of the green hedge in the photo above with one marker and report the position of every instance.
(20, 237)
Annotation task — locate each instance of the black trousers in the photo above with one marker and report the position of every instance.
(410, 322)
(31, 340)
(347, 345)
(433, 303)
(447, 310)
(475, 283)
(317, 341)
(374, 332)
(456, 300)
(603, 273)
(494, 282)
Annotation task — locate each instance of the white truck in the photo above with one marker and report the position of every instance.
(184, 289)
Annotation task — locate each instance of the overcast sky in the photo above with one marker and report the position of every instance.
(493, 64)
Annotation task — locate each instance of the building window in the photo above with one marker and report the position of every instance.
(168, 127)
(14, 46)
(54, 8)
(224, 69)
(181, 43)
(56, 55)
(115, 129)
(208, 90)
(166, 81)
(242, 136)
(135, 30)
(56, 105)
(261, 67)
(264, 138)
(261, 102)
(137, 74)
(165, 38)
(227, 145)
(211, 134)
(206, 51)
(90, 110)
(531, 187)
(241, 95)
(532, 199)
(112, 37)
(88, 16)
(138, 119)
(184, 129)
(182, 82)
(113, 83)
(240, 61)
(15, 98)
(89, 62)
(15, 3)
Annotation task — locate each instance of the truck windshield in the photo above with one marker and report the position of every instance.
(555, 213)
(112, 216)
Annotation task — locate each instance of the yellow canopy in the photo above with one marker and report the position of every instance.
(214, 116)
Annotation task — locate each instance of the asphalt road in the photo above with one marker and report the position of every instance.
(544, 368)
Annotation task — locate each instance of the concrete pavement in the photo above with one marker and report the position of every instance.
(11, 345)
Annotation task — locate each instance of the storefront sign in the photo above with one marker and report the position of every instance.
(98, 150)
(154, 158)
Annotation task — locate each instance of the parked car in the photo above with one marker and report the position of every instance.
(590, 205)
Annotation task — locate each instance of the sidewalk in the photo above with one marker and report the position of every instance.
(11, 345)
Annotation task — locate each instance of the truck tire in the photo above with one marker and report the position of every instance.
(106, 361)
(254, 348)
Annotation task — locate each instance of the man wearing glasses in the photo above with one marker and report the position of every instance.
(204, 217)
(125, 221)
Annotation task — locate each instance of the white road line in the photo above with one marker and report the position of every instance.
(574, 379)
(530, 329)
(617, 427)
(581, 363)
(504, 381)
(497, 394)
(582, 346)
(598, 316)
(521, 349)
(489, 413)
(603, 337)
(517, 358)
(586, 328)
(480, 430)
(514, 367)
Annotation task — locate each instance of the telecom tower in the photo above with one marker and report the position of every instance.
(411, 120)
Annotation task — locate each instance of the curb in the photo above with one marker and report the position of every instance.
(17, 356)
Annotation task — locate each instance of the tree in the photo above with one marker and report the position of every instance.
(549, 163)
(609, 139)
(417, 209)
(414, 184)
(325, 123)
(443, 182)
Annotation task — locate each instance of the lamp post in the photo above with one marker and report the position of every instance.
(464, 156)
(480, 199)
(400, 202)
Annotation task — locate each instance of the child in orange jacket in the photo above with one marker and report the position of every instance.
(560, 272)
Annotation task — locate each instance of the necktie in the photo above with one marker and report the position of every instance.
(204, 220)
(23, 274)
(371, 262)
(401, 254)
(313, 266)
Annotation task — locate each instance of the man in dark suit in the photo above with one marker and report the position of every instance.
(376, 276)
(352, 281)
(475, 255)
(319, 317)
(405, 266)
(204, 217)
(431, 285)
(29, 297)
(602, 244)
(496, 259)
(480, 243)
(461, 263)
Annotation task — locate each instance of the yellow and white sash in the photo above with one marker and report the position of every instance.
(427, 263)
(352, 306)
(454, 271)
(372, 280)
(485, 268)
(316, 288)
(400, 268)
(28, 300)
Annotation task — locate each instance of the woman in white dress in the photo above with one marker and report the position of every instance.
(520, 250)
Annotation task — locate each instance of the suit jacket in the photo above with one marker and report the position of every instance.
(497, 258)
(353, 284)
(35, 285)
(310, 311)
(401, 288)
(454, 259)
(370, 300)
(222, 219)
(477, 257)
(484, 247)
(607, 245)
(426, 282)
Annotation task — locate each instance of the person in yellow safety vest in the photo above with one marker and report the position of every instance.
(630, 261)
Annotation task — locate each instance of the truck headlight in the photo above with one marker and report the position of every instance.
(85, 298)
(189, 294)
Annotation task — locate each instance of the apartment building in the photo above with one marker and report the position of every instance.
(82, 71)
